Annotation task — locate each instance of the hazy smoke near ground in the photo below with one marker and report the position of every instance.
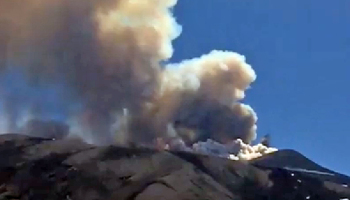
(235, 150)
(95, 65)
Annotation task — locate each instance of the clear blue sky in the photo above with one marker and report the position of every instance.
(300, 51)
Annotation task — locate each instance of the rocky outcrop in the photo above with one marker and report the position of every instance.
(35, 169)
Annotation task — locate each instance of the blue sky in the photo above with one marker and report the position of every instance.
(300, 51)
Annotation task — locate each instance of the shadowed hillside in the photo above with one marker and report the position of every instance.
(34, 168)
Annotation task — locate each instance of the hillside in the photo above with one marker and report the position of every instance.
(35, 168)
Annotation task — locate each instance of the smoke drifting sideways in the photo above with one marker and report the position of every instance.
(95, 65)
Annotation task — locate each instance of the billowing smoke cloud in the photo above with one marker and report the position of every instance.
(106, 53)
(95, 65)
(235, 150)
(198, 99)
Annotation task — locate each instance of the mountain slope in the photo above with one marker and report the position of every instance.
(294, 161)
(34, 168)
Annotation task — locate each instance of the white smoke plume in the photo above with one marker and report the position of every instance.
(236, 150)
(99, 62)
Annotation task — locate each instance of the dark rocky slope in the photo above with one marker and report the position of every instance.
(35, 169)
(294, 161)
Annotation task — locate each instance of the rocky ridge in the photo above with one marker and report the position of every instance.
(35, 168)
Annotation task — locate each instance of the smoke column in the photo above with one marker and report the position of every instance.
(95, 65)
(106, 53)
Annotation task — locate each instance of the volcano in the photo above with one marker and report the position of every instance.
(41, 168)
(294, 161)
